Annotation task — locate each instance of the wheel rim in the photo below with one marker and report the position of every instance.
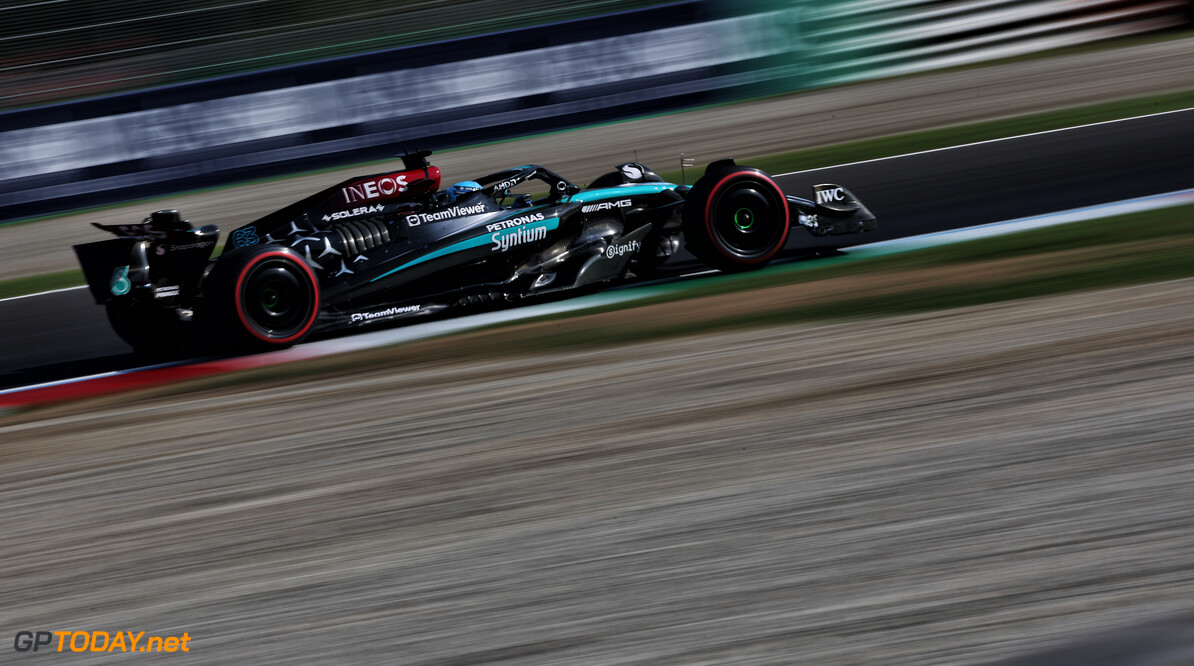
(746, 221)
(276, 300)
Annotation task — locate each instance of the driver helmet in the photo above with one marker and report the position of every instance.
(463, 187)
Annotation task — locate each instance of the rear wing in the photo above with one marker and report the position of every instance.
(160, 258)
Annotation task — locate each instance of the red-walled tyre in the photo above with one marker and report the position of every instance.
(736, 219)
(263, 298)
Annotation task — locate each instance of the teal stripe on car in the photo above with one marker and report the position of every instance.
(621, 191)
(494, 238)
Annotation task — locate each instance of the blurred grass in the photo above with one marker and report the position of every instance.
(39, 283)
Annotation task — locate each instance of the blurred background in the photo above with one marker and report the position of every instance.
(104, 101)
(945, 487)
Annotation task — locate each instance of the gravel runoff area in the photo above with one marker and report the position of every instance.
(763, 127)
(953, 487)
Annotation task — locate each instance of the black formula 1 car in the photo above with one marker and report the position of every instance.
(394, 245)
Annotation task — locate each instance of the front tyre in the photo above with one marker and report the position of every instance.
(736, 219)
(265, 297)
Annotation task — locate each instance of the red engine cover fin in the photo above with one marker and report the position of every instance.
(391, 186)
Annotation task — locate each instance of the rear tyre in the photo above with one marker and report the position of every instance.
(736, 219)
(263, 298)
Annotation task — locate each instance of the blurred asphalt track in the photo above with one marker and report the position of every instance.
(952, 487)
(965, 486)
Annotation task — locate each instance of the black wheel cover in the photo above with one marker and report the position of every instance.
(744, 221)
(276, 301)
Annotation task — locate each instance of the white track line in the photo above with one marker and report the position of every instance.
(42, 293)
(980, 143)
(1138, 205)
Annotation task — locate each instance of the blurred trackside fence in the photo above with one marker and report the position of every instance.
(522, 80)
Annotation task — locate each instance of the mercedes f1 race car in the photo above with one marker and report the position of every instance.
(389, 246)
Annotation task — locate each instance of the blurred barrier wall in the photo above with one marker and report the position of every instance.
(511, 83)
(875, 38)
(59, 50)
(357, 108)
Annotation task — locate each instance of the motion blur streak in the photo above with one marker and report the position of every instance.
(850, 493)
(550, 74)
(113, 47)
(952, 487)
